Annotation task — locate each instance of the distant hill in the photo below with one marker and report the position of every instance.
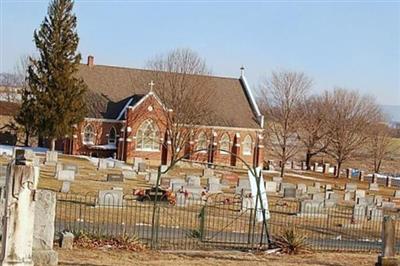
(392, 112)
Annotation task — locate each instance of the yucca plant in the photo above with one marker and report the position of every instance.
(292, 241)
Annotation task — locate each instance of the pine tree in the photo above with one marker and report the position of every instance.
(26, 116)
(57, 92)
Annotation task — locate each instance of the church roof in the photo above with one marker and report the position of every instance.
(111, 88)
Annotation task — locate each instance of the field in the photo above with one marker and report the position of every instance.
(80, 257)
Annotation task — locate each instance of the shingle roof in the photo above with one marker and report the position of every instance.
(110, 88)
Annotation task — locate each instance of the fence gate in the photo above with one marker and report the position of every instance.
(228, 222)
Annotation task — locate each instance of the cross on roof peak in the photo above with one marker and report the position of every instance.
(151, 84)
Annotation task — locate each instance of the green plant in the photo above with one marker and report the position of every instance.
(292, 241)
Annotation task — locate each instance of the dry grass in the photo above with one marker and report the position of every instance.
(104, 257)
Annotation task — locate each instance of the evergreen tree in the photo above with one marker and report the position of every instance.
(57, 92)
(26, 117)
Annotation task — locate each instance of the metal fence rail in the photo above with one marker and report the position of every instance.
(220, 222)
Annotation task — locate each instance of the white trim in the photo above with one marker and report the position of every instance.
(89, 119)
(144, 98)
(123, 109)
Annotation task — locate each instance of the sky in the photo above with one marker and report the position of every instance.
(349, 44)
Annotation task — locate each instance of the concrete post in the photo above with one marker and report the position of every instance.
(21, 183)
(387, 258)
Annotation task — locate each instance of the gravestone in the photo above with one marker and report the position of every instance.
(302, 188)
(136, 162)
(142, 167)
(214, 187)
(351, 187)
(388, 205)
(243, 185)
(110, 198)
(213, 180)
(328, 187)
(153, 178)
(51, 157)
(360, 193)
(326, 168)
(373, 187)
(359, 211)
(165, 182)
(329, 203)
(335, 196)
(348, 196)
(43, 228)
(312, 190)
(115, 178)
(376, 214)
(247, 203)
(286, 185)
(374, 178)
(270, 186)
(66, 175)
(378, 199)
(388, 181)
(317, 185)
(318, 196)
(328, 193)
(349, 171)
(312, 208)
(289, 192)
(65, 186)
(129, 174)
(102, 164)
(177, 184)
(180, 200)
(193, 181)
(397, 194)
(208, 172)
(71, 167)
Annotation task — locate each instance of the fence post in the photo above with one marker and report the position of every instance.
(202, 221)
(387, 258)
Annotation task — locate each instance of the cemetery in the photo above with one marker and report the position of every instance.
(102, 196)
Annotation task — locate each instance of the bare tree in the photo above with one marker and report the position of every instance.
(280, 99)
(379, 144)
(348, 117)
(182, 81)
(312, 131)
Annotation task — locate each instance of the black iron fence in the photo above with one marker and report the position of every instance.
(220, 221)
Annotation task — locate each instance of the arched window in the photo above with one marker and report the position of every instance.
(224, 143)
(247, 145)
(112, 136)
(147, 137)
(202, 142)
(88, 135)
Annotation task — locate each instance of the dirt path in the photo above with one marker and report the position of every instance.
(80, 257)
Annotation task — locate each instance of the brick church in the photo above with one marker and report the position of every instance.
(123, 119)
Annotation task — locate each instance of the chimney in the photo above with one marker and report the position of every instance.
(242, 71)
(90, 60)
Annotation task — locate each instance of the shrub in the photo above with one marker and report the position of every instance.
(292, 241)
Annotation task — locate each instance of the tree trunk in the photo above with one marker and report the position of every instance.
(308, 160)
(26, 141)
(378, 166)
(283, 168)
(40, 141)
(339, 165)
